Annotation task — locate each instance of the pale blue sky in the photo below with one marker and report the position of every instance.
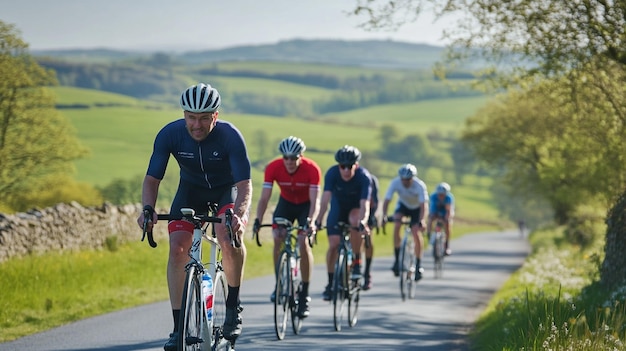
(194, 24)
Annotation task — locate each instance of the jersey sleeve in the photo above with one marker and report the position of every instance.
(269, 175)
(239, 161)
(316, 176)
(391, 189)
(160, 156)
(366, 186)
(330, 178)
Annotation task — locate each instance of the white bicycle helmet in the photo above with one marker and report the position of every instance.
(200, 98)
(407, 171)
(291, 146)
(443, 188)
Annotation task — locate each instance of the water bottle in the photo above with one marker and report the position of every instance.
(294, 266)
(349, 254)
(207, 292)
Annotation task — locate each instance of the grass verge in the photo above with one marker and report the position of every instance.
(553, 302)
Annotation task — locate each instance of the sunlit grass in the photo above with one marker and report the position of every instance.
(553, 303)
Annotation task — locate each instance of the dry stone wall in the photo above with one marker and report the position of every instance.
(69, 227)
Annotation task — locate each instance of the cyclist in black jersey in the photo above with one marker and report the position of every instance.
(214, 167)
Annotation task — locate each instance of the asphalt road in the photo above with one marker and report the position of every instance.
(439, 318)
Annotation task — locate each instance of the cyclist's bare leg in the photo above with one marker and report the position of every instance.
(279, 238)
(331, 254)
(355, 236)
(419, 240)
(429, 225)
(397, 218)
(180, 242)
(306, 257)
(448, 228)
(233, 258)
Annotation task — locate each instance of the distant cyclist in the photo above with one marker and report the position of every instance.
(442, 206)
(412, 198)
(299, 181)
(347, 188)
(214, 167)
(372, 222)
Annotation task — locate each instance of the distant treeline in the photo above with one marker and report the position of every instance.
(164, 78)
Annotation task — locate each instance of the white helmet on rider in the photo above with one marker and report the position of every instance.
(291, 146)
(443, 188)
(200, 98)
(407, 171)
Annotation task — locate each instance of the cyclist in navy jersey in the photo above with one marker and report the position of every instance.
(372, 222)
(214, 167)
(347, 188)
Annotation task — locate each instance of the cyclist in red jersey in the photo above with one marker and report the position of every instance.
(299, 181)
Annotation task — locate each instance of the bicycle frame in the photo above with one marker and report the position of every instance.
(201, 333)
(287, 276)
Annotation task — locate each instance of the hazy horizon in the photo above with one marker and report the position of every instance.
(195, 25)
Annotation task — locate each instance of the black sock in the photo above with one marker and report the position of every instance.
(357, 259)
(368, 263)
(176, 315)
(418, 263)
(396, 252)
(305, 288)
(232, 300)
(330, 278)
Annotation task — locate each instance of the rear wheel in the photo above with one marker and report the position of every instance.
(283, 296)
(191, 318)
(406, 266)
(340, 282)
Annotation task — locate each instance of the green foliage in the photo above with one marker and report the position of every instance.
(585, 227)
(552, 302)
(36, 141)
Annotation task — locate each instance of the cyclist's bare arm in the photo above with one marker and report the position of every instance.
(266, 194)
(364, 213)
(149, 194)
(242, 205)
(315, 204)
(323, 205)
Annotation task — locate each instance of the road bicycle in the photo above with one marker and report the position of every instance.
(345, 287)
(406, 261)
(288, 277)
(201, 325)
(438, 242)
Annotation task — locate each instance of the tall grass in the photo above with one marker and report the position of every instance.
(554, 303)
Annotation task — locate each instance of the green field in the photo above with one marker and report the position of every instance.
(120, 137)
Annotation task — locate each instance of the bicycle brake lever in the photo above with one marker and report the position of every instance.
(147, 218)
(234, 239)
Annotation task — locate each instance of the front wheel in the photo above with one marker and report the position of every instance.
(340, 287)
(220, 293)
(283, 296)
(192, 324)
(439, 253)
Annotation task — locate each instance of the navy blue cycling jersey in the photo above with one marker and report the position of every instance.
(220, 159)
(350, 193)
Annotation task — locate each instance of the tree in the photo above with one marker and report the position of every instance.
(577, 41)
(36, 141)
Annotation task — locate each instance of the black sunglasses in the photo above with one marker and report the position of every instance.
(346, 166)
(292, 158)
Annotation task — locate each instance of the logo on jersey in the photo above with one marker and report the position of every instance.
(184, 154)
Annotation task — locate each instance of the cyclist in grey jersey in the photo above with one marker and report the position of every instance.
(412, 200)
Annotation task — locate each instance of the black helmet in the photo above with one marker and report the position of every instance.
(348, 155)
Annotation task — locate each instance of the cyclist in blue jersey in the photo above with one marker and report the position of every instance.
(412, 198)
(214, 167)
(347, 188)
(442, 206)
